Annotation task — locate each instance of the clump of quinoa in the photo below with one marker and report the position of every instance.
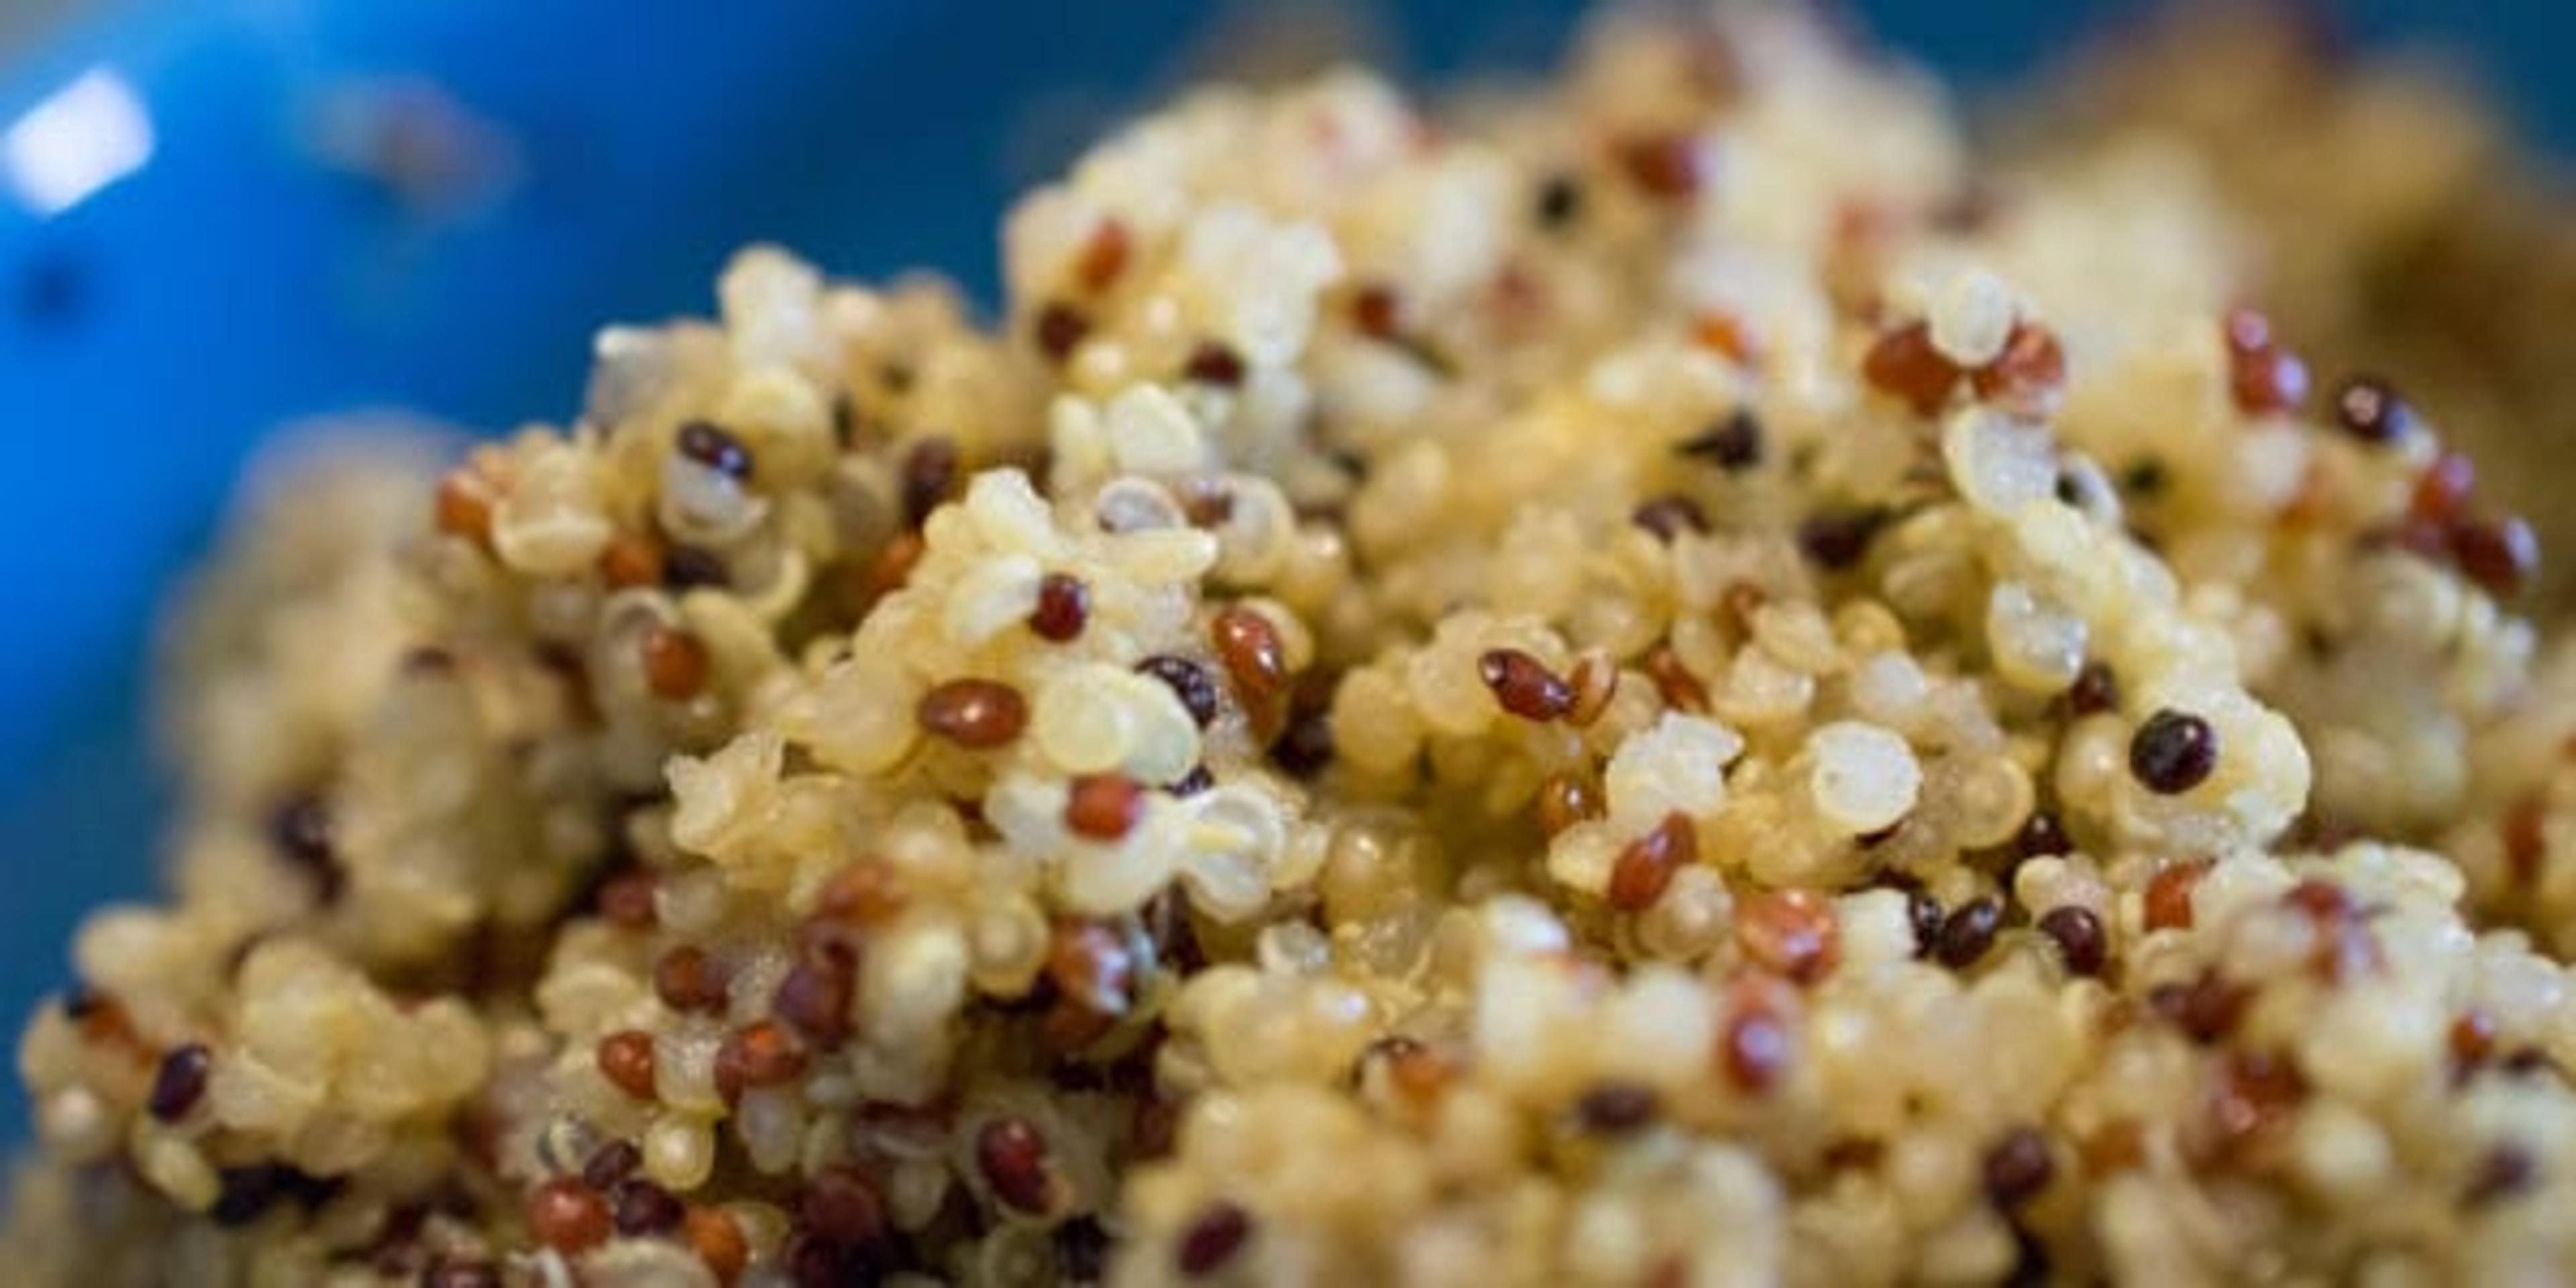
(1601, 690)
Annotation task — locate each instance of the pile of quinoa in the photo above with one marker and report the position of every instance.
(1658, 682)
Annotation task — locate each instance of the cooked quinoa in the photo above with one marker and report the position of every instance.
(1666, 681)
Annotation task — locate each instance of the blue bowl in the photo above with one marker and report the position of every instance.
(273, 208)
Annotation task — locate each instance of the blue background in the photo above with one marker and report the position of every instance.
(149, 334)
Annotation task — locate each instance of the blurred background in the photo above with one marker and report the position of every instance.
(219, 216)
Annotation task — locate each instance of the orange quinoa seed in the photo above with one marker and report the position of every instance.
(676, 665)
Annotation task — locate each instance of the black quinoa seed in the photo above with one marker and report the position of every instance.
(1214, 362)
(244, 1194)
(2018, 1167)
(1968, 932)
(1063, 607)
(1836, 539)
(2095, 690)
(180, 1082)
(2372, 412)
(1669, 516)
(1193, 782)
(1213, 1238)
(2173, 752)
(642, 1207)
(687, 567)
(2506, 1171)
(611, 1163)
(301, 830)
(1189, 680)
(1305, 747)
(1733, 444)
(1616, 1108)
(2081, 943)
(1058, 330)
(711, 445)
(1081, 1251)
(929, 470)
(1560, 201)
(2041, 834)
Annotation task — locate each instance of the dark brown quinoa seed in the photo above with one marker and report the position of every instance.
(2506, 1171)
(814, 997)
(1733, 444)
(1063, 608)
(1669, 516)
(1188, 681)
(626, 900)
(2095, 690)
(1968, 932)
(300, 828)
(625, 1058)
(1616, 1108)
(640, 1207)
(1644, 869)
(2370, 411)
(2499, 556)
(1213, 1238)
(451, 1271)
(1250, 647)
(2206, 1009)
(841, 1206)
(686, 980)
(929, 471)
(180, 1082)
(1377, 311)
(2081, 943)
(2041, 834)
(1012, 1156)
(689, 567)
(2018, 1167)
(1103, 807)
(1081, 1251)
(711, 445)
(975, 714)
(1560, 201)
(611, 1163)
(1058, 330)
(1213, 362)
(1305, 747)
(1836, 539)
(2173, 752)
(1524, 686)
